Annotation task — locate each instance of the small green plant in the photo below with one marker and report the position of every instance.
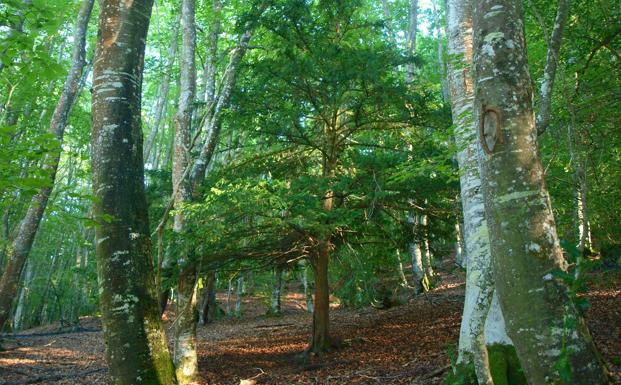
(460, 374)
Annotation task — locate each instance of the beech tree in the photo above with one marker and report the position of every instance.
(551, 338)
(136, 346)
(29, 225)
(476, 334)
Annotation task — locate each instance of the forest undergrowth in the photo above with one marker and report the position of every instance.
(406, 344)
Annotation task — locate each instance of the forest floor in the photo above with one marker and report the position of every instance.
(406, 344)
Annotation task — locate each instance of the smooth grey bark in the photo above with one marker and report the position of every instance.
(476, 326)
(185, 356)
(23, 240)
(229, 293)
(213, 121)
(136, 346)
(541, 319)
(211, 62)
(23, 295)
(416, 256)
(578, 165)
(427, 257)
(275, 308)
(308, 293)
(240, 293)
(549, 72)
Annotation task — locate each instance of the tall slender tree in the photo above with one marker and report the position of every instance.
(479, 277)
(136, 347)
(551, 339)
(185, 356)
(29, 225)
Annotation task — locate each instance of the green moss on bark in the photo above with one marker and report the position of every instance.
(504, 365)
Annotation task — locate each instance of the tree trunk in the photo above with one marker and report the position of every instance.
(320, 341)
(276, 290)
(411, 39)
(162, 93)
(388, 20)
(21, 302)
(420, 281)
(185, 355)
(240, 293)
(211, 62)
(213, 121)
(427, 257)
(30, 223)
(440, 50)
(418, 272)
(479, 275)
(551, 339)
(401, 270)
(39, 313)
(307, 290)
(549, 71)
(229, 293)
(460, 255)
(209, 307)
(136, 347)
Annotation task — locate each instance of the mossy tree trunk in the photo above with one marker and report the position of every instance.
(477, 328)
(551, 339)
(136, 347)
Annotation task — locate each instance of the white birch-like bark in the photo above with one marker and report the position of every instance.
(480, 326)
(541, 319)
(549, 72)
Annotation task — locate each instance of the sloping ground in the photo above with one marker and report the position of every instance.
(402, 345)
